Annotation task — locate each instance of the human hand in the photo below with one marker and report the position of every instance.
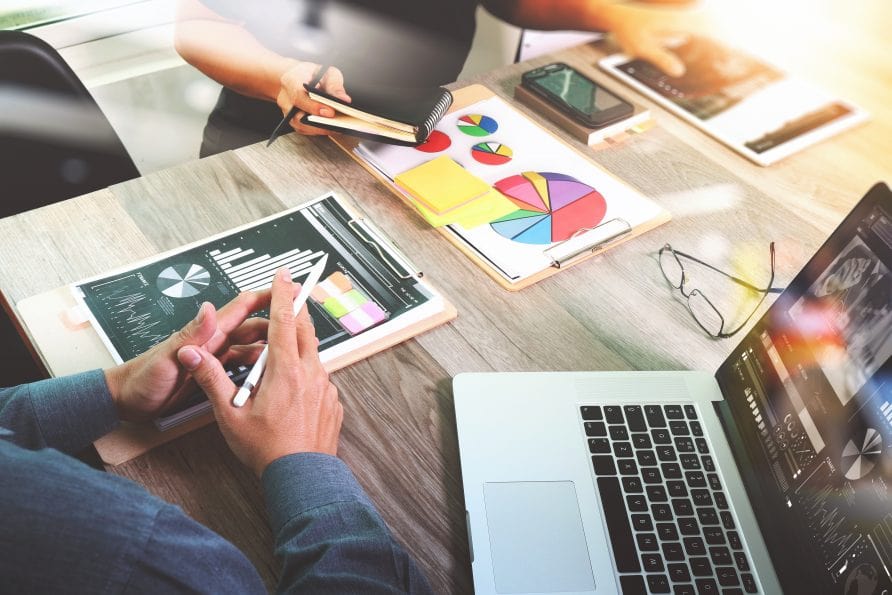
(145, 386)
(293, 94)
(641, 33)
(294, 408)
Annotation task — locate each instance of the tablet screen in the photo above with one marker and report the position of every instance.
(742, 98)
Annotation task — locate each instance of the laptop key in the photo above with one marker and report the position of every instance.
(595, 429)
(689, 461)
(654, 416)
(677, 489)
(647, 542)
(651, 562)
(661, 512)
(632, 585)
(658, 583)
(732, 591)
(641, 441)
(700, 566)
(734, 540)
(682, 507)
(673, 552)
(714, 482)
(720, 556)
(684, 444)
(727, 520)
(599, 446)
(696, 428)
(679, 428)
(708, 465)
(632, 485)
(702, 446)
(742, 563)
(694, 546)
(679, 573)
(591, 412)
(727, 576)
(706, 586)
(623, 449)
(619, 433)
(627, 467)
(721, 501)
(613, 414)
(642, 522)
(667, 531)
(671, 470)
(674, 412)
(618, 525)
(684, 590)
(635, 418)
(651, 475)
(661, 436)
(714, 535)
(646, 458)
(657, 494)
(690, 411)
(707, 516)
(666, 453)
(701, 497)
(636, 503)
(603, 465)
(695, 479)
(688, 526)
(749, 583)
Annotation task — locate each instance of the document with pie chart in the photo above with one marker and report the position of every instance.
(562, 199)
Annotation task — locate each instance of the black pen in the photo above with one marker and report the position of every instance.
(293, 111)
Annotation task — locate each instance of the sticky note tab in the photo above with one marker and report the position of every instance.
(441, 185)
(364, 317)
(335, 284)
(339, 305)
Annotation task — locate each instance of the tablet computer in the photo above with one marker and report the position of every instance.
(753, 107)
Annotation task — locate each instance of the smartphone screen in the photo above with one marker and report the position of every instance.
(578, 92)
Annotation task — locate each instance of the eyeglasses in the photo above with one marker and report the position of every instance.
(701, 308)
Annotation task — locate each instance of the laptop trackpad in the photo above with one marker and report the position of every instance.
(536, 537)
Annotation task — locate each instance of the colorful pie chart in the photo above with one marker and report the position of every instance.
(477, 125)
(492, 153)
(436, 142)
(552, 207)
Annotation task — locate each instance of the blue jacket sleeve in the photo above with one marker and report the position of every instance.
(65, 413)
(329, 535)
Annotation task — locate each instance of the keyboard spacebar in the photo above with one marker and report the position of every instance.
(618, 525)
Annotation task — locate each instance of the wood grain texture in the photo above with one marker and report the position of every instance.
(613, 312)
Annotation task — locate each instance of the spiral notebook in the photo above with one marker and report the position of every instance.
(394, 116)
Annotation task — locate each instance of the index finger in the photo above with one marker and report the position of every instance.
(233, 314)
(281, 319)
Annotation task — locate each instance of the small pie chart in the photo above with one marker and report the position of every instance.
(183, 280)
(436, 142)
(492, 153)
(551, 207)
(477, 125)
(861, 454)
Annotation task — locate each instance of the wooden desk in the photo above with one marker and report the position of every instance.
(613, 312)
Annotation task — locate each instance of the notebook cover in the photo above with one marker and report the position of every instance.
(410, 106)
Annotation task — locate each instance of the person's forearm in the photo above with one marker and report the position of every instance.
(581, 15)
(231, 56)
(63, 413)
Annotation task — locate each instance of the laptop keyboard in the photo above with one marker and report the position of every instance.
(667, 514)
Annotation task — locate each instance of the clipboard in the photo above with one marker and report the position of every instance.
(583, 245)
(67, 343)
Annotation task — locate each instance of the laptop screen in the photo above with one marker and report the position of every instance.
(808, 410)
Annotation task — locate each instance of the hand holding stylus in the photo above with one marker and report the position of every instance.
(295, 408)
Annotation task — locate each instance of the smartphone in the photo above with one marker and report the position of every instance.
(576, 95)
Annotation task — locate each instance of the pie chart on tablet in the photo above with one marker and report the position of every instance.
(551, 207)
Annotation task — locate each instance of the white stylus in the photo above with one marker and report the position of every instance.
(241, 397)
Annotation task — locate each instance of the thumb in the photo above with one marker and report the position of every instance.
(209, 374)
(198, 331)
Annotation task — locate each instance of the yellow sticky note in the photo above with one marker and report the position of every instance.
(442, 185)
(489, 207)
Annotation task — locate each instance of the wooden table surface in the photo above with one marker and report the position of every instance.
(613, 312)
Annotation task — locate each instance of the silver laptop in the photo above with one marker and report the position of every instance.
(772, 475)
